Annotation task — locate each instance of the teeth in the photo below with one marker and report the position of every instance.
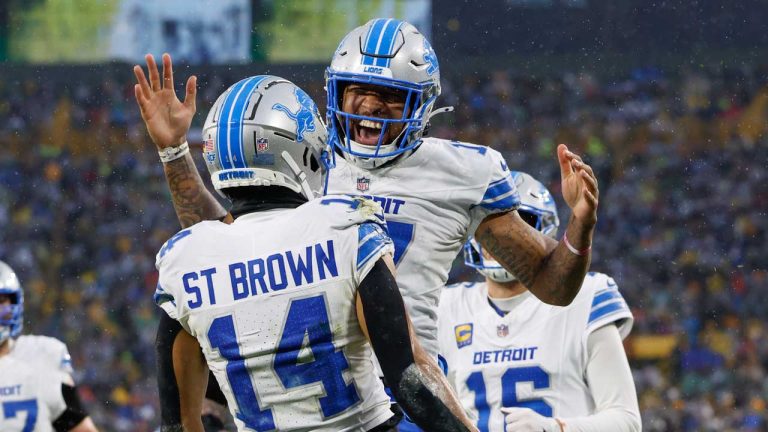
(370, 124)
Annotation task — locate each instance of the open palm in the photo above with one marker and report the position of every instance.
(579, 185)
(167, 118)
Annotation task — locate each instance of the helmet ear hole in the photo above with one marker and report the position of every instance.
(529, 217)
(313, 164)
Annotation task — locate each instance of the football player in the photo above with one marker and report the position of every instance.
(552, 368)
(37, 392)
(382, 86)
(284, 304)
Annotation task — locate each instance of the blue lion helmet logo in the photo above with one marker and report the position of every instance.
(304, 117)
(431, 58)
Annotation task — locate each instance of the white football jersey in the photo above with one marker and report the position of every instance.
(271, 300)
(534, 357)
(43, 351)
(30, 396)
(433, 200)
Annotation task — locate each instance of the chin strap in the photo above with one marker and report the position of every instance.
(301, 175)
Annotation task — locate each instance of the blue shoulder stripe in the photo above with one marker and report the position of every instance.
(607, 301)
(161, 296)
(510, 202)
(604, 297)
(371, 240)
(606, 310)
(499, 188)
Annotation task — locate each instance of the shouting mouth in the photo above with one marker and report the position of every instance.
(367, 132)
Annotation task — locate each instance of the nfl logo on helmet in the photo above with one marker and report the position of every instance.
(363, 183)
(502, 330)
(262, 144)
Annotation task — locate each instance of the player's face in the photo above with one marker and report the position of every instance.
(373, 101)
(6, 312)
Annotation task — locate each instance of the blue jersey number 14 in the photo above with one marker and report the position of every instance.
(307, 316)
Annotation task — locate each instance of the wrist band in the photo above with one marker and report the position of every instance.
(170, 154)
(582, 252)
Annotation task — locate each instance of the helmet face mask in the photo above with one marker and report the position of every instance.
(537, 209)
(266, 131)
(394, 57)
(11, 314)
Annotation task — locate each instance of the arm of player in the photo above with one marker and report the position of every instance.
(74, 418)
(179, 372)
(613, 390)
(191, 372)
(168, 121)
(415, 379)
(552, 271)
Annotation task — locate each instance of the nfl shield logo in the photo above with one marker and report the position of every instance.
(363, 183)
(208, 145)
(262, 144)
(502, 330)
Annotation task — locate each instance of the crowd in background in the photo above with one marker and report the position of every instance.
(684, 194)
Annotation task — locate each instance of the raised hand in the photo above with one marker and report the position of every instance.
(167, 118)
(579, 186)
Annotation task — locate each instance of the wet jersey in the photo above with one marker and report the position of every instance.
(271, 300)
(433, 200)
(30, 396)
(43, 351)
(533, 357)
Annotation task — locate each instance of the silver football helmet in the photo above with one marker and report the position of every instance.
(266, 131)
(392, 54)
(11, 315)
(537, 207)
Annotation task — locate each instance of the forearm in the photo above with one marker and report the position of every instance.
(608, 420)
(612, 387)
(191, 200)
(435, 379)
(562, 272)
(413, 377)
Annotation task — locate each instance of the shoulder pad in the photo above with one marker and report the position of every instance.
(354, 210)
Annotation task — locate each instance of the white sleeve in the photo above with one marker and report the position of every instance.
(52, 394)
(166, 290)
(611, 384)
(500, 194)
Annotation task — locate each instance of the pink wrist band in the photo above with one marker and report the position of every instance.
(582, 252)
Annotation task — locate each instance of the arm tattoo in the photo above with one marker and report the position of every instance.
(548, 269)
(515, 258)
(191, 200)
